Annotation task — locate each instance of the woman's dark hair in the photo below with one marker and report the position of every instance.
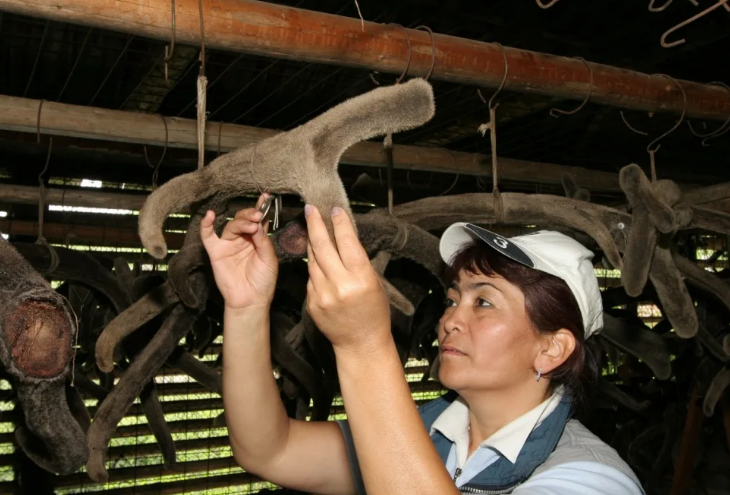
(550, 306)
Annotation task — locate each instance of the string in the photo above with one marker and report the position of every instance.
(169, 49)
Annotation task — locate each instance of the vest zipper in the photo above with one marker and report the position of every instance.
(457, 473)
(468, 489)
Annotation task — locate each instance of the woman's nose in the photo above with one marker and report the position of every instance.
(452, 320)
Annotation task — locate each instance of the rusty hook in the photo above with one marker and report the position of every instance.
(632, 128)
(555, 111)
(169, 49)
(679, 122)
(659, 9)
(433, 50)
(717, 132)
(504, 79)
(410, 53)
(547, 5)
(692, 19)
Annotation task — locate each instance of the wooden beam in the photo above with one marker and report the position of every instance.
(90, 198)
(84, 234)
(59, 119)
(280, 31)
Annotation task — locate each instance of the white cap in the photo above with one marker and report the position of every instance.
(548, 251)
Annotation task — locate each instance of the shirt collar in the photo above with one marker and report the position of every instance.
(453, 422)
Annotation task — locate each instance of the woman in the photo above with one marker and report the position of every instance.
(511, 348)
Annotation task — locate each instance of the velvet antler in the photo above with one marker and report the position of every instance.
(302, 161)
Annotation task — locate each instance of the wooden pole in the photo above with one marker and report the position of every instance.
(280, 31)
(59, 119)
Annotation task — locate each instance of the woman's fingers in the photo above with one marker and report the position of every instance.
(325, 252)
(351, 252)
(237, 227)
(207, 234)
(316, 276)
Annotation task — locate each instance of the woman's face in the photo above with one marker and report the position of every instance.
(486, 341)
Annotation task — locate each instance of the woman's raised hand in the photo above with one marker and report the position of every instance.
(243, 258)
(344, 295)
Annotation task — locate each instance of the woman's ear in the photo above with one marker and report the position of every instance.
(556, 349)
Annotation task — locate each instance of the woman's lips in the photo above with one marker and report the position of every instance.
(451, 351)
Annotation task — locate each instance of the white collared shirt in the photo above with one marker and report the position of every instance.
(508, 441)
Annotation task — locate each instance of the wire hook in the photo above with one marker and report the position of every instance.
(162, 157)
(659, 9)
(555, 111)
(433, 50)
(692, 19)
(679, 122)
(504, 79)
(547, 5)
(717, 132)
(410, 53)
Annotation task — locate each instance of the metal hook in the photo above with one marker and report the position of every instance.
(433, 50)
(504, 79)
(554, 111)
(410, 53)
(633, 129)
(548, 5)
(717, 132)
(169, 49)
(659, 9)
(679, 122)
(692, 19)
(162, 157)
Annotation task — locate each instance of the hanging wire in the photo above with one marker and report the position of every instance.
(720, 130)
(546, 6)
(362, 21)
(41, 240)
(555, 111)
(169, 49)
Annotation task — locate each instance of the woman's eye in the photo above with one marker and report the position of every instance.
(483, 303)
(450, 302)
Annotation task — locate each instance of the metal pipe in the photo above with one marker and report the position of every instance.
(285, 32)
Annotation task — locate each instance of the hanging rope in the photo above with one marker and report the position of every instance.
(491, 126)
(388, 141)
(202, 85)
(41, 240)
(169, 49)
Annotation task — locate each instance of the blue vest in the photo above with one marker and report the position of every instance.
(499, 477)
(502, 475)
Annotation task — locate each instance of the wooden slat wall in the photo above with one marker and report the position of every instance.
(205, 462)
